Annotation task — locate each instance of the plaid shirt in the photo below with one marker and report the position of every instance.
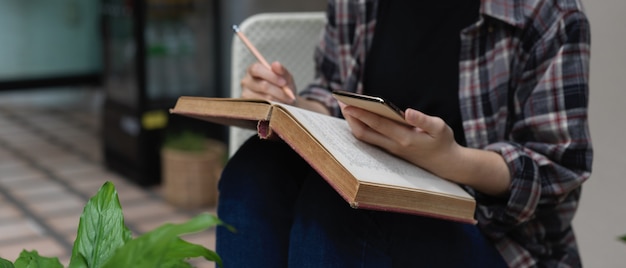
(523, 91)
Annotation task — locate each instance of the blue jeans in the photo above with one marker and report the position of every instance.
(286, 215)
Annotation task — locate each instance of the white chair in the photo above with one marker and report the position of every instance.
(287, 37)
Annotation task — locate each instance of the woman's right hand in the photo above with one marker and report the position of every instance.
(263, 83)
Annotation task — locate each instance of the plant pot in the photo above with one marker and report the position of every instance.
(190, 178)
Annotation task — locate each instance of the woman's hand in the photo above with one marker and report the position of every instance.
(268, 84)
(430, 144)
(263, 83)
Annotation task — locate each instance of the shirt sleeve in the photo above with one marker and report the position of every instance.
(327, 74)
(549, 154)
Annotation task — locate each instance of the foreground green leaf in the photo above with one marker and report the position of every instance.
(104, 241)
(623, 238)
(101, 230)
(163, 247)
(31, 259)
(6, 263)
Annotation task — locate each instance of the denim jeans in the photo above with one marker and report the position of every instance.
(286, 215)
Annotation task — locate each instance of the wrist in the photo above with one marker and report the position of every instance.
(449, 165)
(485, 171)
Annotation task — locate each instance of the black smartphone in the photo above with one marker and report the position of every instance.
(373, 104)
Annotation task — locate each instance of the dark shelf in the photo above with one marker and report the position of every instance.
(136, 117)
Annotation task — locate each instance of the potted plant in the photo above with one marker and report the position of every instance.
(191, 165)
(103, 241)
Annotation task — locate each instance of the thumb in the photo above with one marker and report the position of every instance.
(280, 70)
(429, 124)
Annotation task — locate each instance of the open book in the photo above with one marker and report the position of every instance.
(364, 175)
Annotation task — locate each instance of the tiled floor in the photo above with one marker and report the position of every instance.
(50, 165)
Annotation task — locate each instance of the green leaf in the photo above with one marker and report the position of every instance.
(31, 259)
(182, 249)
(101, 230)
(6, 263)
(163, 247)
(623, 238)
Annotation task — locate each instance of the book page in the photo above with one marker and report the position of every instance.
(369, 163)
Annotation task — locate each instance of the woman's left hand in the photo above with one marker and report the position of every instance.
(428, 144)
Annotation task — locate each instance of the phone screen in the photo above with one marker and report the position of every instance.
(373, 104)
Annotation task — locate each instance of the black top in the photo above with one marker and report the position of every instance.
(414, 58)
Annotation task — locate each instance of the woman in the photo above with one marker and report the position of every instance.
(497, 94)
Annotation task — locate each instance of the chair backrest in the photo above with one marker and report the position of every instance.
(287, 37)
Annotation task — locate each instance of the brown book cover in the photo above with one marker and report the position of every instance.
(364, 175)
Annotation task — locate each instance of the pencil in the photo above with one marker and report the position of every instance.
(259, 56)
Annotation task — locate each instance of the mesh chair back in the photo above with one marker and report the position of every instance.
(287, 37)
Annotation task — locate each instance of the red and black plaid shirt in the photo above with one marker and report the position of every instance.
(523, 91)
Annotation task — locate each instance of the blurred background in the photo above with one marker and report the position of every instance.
(85, 86)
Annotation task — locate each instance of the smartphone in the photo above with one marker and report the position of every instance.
(373, 104)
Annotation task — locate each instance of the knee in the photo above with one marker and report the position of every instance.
(260, 166)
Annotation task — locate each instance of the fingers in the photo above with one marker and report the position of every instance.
(373, 120)
(259, 71)
(269, 84)
(434, 126)
(281, 71)
(286, 80)
(372, 128)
